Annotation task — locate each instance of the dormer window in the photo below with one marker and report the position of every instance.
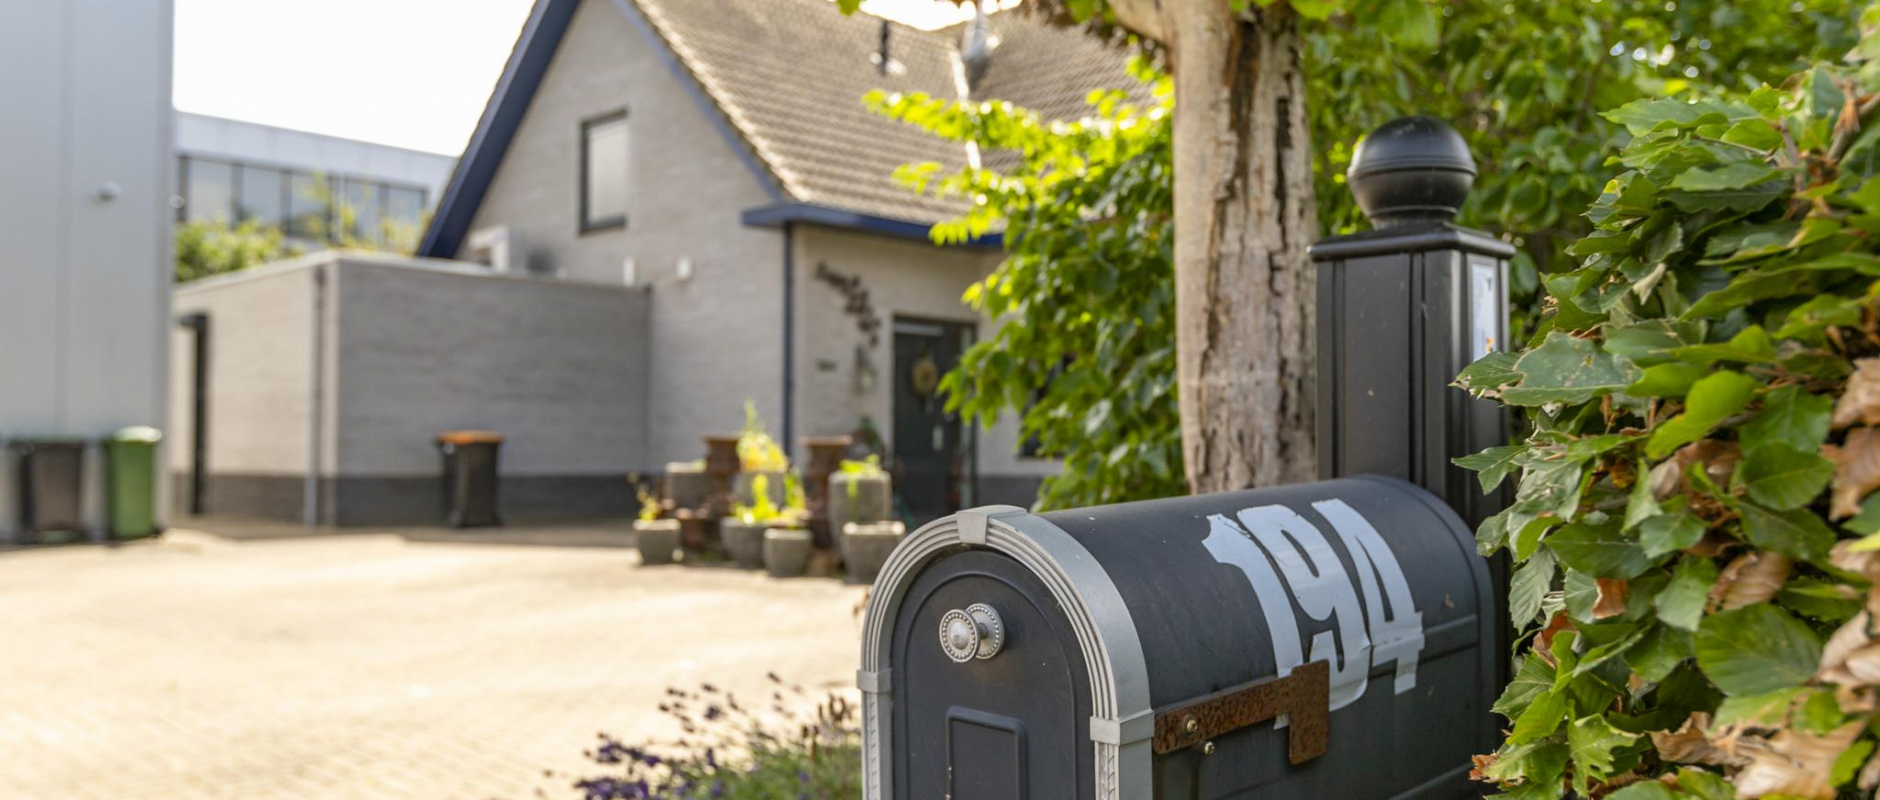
(604, 172)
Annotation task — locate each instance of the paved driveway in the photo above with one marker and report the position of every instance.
(369, 666)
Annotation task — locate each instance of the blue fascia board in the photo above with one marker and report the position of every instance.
(535, 47)
(541, 36)
(781, 214)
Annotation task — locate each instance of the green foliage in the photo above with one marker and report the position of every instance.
(1523, 82)
(213, 247)
(649, 503)
(1698, 391)
(1087, 360)
(732, 751)
(757, 452)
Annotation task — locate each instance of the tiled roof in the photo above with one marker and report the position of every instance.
(790, 76)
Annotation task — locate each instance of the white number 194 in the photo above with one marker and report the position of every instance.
(1386, 628)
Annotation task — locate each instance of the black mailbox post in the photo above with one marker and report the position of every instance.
(1402, 309)
(1338, 639)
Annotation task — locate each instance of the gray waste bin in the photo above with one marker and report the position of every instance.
(51, 487)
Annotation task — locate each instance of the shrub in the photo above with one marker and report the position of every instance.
(731, 751)
(1703, 405)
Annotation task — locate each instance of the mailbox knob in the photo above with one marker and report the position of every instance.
(972, 632)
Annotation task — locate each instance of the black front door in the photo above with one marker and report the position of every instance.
(933, 461)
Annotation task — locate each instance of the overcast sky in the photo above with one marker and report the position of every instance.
(410, 73)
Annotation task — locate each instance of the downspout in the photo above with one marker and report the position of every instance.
(316, 357)
(789, 333)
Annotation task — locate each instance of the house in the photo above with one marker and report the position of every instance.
(704, 182)
(84, 292)
(237, 171)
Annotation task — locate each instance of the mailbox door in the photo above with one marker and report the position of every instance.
(1010, 727)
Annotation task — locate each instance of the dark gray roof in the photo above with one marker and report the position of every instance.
(783, 81)
(790, 75)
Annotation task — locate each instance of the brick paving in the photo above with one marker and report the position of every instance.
(373, 665)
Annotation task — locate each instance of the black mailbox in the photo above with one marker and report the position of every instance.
(1326, 640)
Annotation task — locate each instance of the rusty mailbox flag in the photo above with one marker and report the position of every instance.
(1338, 639)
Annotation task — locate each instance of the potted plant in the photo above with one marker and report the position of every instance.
(867, 545)
(859, 492)
(759, 455)
(743, 531)
(656, 538)
(787, 544)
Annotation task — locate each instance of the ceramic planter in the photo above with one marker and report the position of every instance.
(786, 552)
(854, 497)
(744, 541)
(866, 547)
(657, 540)
(688, 485)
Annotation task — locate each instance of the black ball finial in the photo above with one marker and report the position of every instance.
(1411, 171)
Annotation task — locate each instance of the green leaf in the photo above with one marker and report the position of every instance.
(1533, 677)
(1791, 416)
(1756, 649)
(1666, 380)
(1412, 23)
(1751, 345)
(1681, 603)
(1763, 709)
(1659, 652)
(1782, 477)
(1602, 551)
(1643, 116)
(1488, 373)
(1644, 790)
(1848, 763)
(1541, 719)
(1493, 465)
(1536, 764)
(1640, 505)
(1706, 785)
(1529, 586)
(1580, 592)
(1754, 133)
(1593, 744)
(1566, 369)
(1825, 600)
(1711, 400)
(1796, 533)
(1732, 176)
(1669, 533)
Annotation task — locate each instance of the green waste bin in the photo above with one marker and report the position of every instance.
(131, 465)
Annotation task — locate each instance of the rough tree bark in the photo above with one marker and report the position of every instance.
(1244, 215)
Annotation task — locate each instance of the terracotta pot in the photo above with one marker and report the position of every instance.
(786, 552)
(657, 539)
(744, 541)
(866, 547)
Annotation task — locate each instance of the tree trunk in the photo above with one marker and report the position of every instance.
(1245, 291)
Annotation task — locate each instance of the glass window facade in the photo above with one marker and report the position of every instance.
(209, 190)
(305, 205)
(604, 172)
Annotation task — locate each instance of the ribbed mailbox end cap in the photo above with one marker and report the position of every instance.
(1410, 171)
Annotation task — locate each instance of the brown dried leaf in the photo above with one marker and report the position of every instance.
(1851, 657)
(1861, 402)
(1862, 562)
(1718, 457)
(1479, 772)
(1544, 642)
(1691, 744)
(1750, 579)
(1792, 763)
(1612, 595)
(1856, 470)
